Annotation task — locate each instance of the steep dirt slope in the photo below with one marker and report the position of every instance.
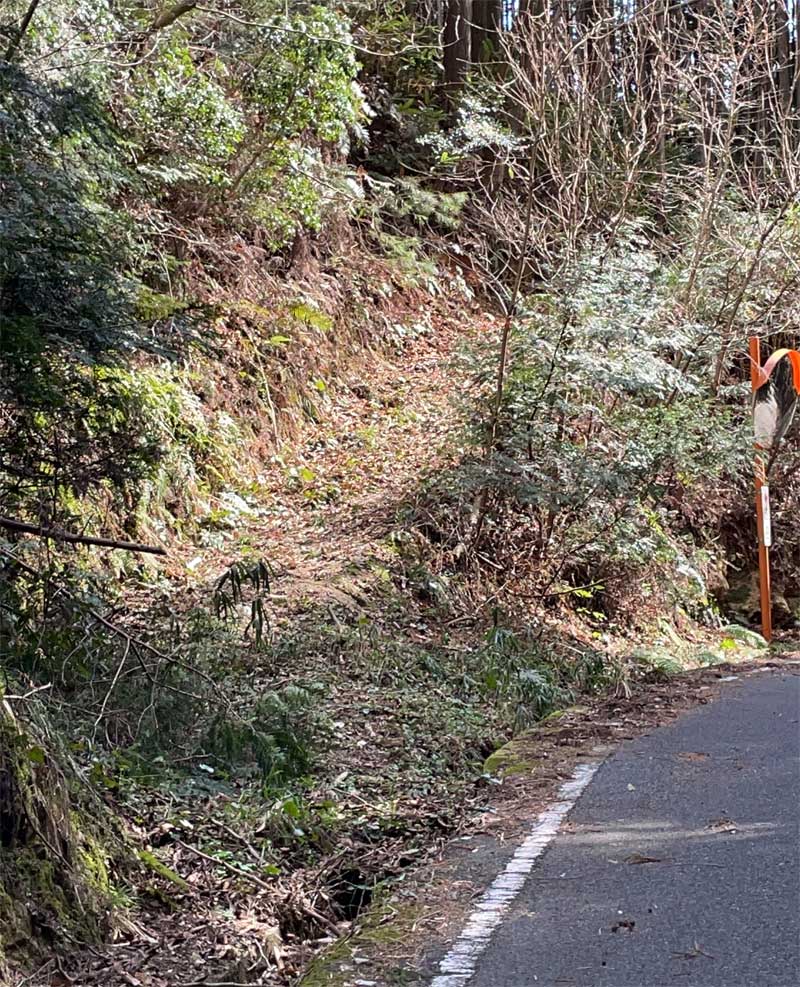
(323, 517)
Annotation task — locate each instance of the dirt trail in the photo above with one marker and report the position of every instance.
(335, 499)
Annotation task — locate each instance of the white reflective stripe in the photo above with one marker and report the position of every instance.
(458, 967)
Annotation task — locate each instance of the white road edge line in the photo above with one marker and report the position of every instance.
(460, 964)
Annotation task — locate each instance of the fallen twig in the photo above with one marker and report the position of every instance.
(308, 909)
(215, 983)
(228, 866)
(29, 693)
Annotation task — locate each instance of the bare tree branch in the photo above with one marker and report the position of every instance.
(170, 14)
(20, 34)
(57, 534)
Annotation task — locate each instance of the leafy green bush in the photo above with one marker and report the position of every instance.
(608, 433)
(407, 201)
(529, 677)
(103, 162)
(280, 734)
(173, 88)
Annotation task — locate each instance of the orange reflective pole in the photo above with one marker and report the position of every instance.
(756, 378)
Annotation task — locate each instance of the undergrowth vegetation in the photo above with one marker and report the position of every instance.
(618, 462)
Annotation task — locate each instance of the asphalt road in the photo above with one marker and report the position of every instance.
(679, 866)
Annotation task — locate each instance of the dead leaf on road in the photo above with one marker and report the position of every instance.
(693, 756)
(693, 953)
(638, 858)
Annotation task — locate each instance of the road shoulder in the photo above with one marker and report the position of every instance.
(404, 937)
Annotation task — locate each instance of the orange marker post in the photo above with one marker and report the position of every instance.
(762, 500)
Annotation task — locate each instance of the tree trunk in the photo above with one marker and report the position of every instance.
(586, 18)
(487, 23)
(458, 17)
(782, 57)
(53, 877)
(796, 59)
